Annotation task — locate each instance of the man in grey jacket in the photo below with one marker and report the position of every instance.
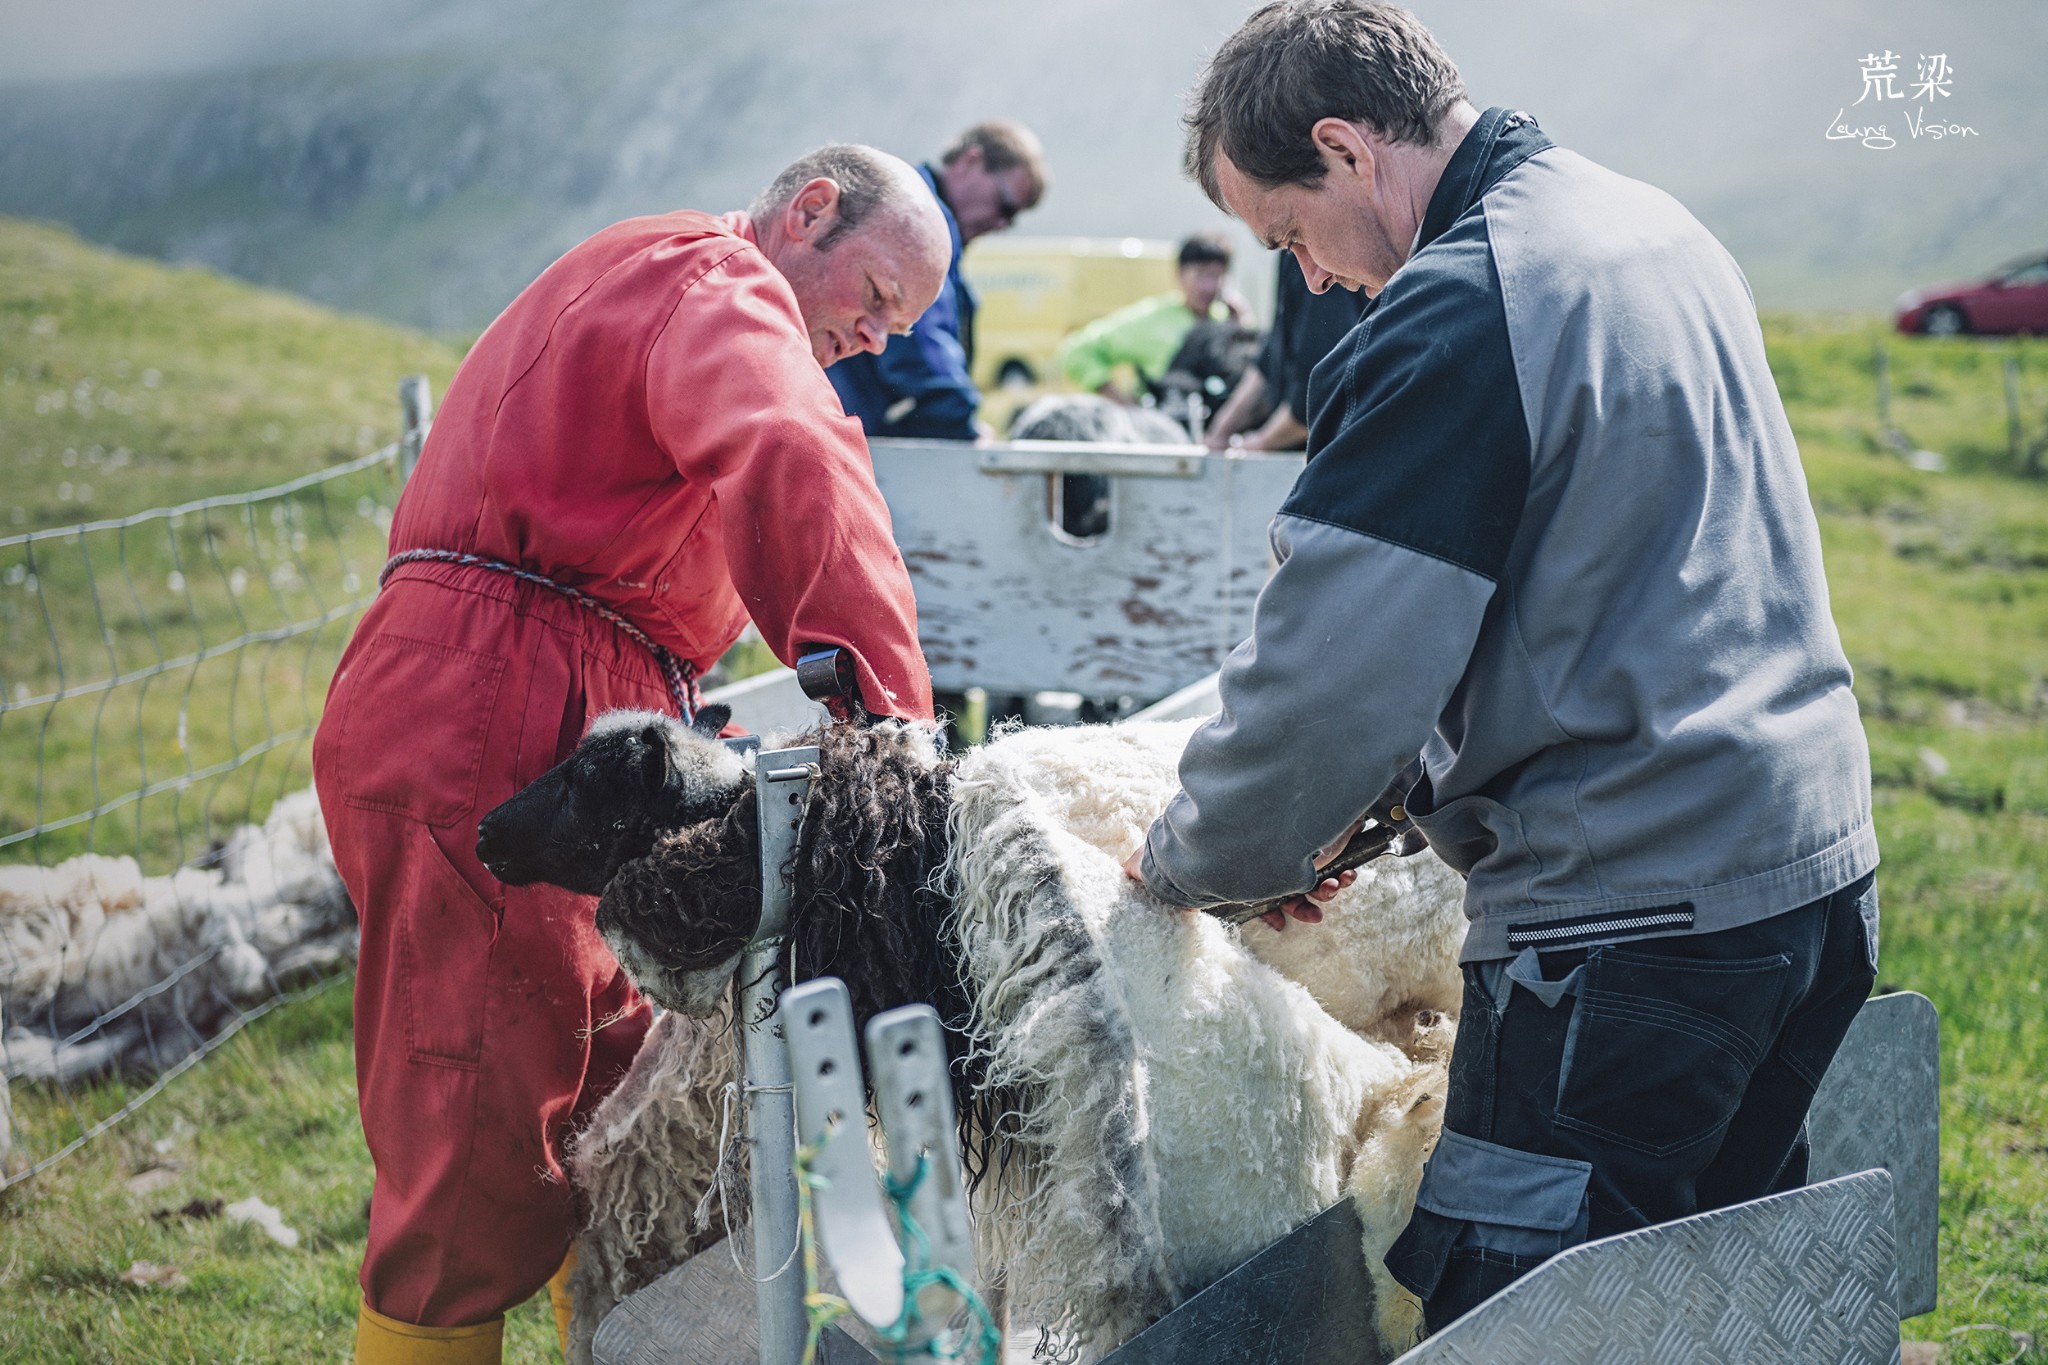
(1553, 536)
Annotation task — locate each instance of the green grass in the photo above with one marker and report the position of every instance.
(272, 1115)
(126, 385)
(1940, 586)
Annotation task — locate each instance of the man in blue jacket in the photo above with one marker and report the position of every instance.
(922, 385)
(1553, 535)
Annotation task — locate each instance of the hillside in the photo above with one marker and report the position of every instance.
(126, 385)
(162, 678)
(423, 159)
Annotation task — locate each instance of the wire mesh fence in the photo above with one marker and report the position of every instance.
(164, 876)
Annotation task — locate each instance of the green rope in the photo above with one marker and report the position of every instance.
(903, 1339)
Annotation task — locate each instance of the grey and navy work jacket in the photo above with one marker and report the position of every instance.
(1554, 536)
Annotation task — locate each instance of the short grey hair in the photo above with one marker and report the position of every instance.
(1299, 61)
(864, 176)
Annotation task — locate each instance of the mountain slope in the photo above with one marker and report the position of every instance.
(452, 148)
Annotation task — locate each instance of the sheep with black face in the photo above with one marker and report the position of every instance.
(637, 776)
(1164, 1102)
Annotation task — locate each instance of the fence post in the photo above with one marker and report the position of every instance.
(2015, 431)
(1883, 364)
(416, 401)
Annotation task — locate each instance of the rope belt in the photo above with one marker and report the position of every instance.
(680, 673)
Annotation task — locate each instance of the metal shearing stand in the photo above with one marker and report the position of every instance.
(782, 780)
(904, 1273)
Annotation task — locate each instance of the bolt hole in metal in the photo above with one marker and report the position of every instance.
(817, 1019)
(915, 1099)
(906, 1047)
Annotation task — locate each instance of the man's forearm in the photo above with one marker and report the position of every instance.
(1235, 414)
(1317, 715)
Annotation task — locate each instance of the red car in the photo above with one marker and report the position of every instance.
(2015, 299)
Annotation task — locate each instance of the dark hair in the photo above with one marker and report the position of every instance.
(1298, 61)
(1005, 144)
(1205, 248)
(861, 173)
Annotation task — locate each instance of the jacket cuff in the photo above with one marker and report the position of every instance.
(1159, 883)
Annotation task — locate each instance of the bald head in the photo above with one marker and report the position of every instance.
(860, 239)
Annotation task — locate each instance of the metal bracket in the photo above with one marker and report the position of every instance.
(914, 1099)
(853, 1226)
(781, 788)
(828, 675)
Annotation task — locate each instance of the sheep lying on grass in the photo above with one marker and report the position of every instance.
(89, 934)
(1149, 1101)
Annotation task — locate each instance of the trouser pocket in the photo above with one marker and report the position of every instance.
(1661, 1050)
(447, 934)
(1484, 1216)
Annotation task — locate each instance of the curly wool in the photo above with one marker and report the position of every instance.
(1186, 1104)
(90, 933)
(1162, 1102)
(1387, 949)
(643, 1164)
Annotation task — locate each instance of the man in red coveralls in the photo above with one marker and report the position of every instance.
(648, 424)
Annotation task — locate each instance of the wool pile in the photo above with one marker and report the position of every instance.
(86, 937)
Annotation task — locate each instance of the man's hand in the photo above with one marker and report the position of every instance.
(1307, 907)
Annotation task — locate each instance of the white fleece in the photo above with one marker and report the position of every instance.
(1189, 1092)
(1188, 1103)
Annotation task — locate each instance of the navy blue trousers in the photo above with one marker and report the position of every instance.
(1670, 1076)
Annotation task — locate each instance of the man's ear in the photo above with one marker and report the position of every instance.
(812, 211)
(651, 763)
(711, 719)
(1343, 146)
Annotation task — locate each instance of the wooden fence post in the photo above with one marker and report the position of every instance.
(2015, 431)
(416, 401)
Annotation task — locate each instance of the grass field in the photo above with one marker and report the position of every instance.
(124, 386)
(1940, 584)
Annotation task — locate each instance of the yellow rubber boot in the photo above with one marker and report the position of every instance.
(558, 1295)
(387, 1341)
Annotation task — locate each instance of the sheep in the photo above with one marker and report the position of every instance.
(1100, 1045)
(1084, 498)
(1091, 417)
(90, 934)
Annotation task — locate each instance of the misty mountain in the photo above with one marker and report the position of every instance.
(423, 159)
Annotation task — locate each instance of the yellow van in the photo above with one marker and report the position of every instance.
(1035, 290)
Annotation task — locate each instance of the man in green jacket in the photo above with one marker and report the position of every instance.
(1146, 334)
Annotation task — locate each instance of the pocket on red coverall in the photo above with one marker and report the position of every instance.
(414, 726)
(445, 942)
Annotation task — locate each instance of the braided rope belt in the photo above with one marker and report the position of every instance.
(680, 673)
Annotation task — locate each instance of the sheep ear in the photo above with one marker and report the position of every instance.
(711, 719)
(653, 759)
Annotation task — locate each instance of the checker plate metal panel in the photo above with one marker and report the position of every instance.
(700, 1313)
(1807, 1276)
(1306, 1298)
(1880, 1105)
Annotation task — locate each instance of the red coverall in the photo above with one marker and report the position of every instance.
(645, 423)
